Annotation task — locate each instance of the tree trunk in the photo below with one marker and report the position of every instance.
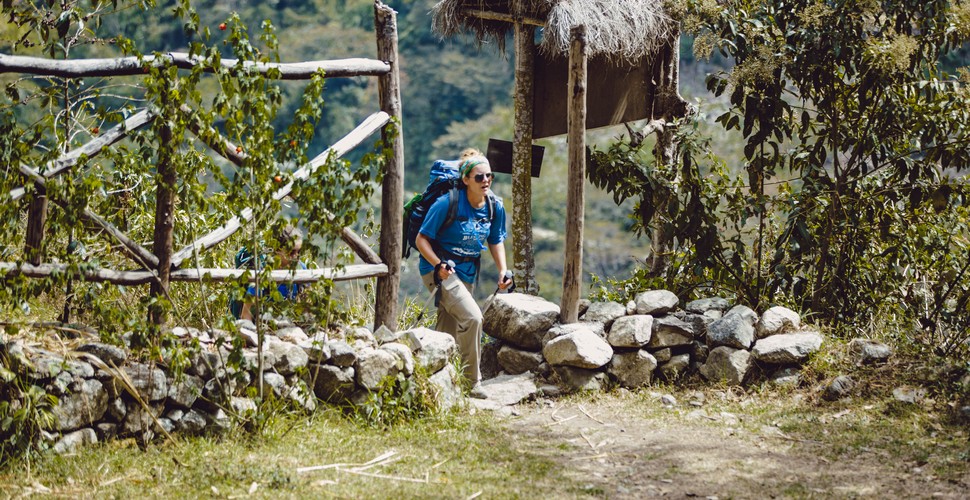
(670, 106)
(523, 252)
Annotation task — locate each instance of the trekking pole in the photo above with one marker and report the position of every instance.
(449, 264)
(508, 276)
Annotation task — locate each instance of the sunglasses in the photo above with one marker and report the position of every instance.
(482, 177)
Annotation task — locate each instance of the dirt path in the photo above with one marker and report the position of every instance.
(627, 446)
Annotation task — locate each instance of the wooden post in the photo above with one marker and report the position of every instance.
(164, 213)
(523, 252)
(572, 276)
(392, 192)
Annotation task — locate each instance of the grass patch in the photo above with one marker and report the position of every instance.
(457, 454)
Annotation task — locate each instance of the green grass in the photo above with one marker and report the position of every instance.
(451, 456)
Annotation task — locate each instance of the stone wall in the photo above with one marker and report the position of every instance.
(102, 394)
(648, 338)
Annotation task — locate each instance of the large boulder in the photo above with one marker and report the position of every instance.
(404, 355)
(184, 390)
(604, 312)
(341, 353)
(432, 349)
(559, 329)
(149, 381)
(656, 302)
(632, 369)
(727, 364)
(777, 320)
(786, 348)
(675, 367)
(289, 357)
(84, 405)
(506, 390)
(705, 305)
(140, 420)
(72, 441)
(631, 331)
(735, 329)
(447, 387)
(581, 349)
(108, 353)
(573, 379)
(291, 334)
(332, 383)
(669, 331)
(374, 365)
(519, 319)
(515, 361)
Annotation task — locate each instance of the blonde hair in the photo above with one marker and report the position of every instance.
(469, 153)
(469, 158)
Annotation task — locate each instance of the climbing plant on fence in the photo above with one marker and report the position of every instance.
(176, 114)
(852, 204)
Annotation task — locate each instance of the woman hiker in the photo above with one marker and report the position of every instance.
(462, 243)
(290, 241)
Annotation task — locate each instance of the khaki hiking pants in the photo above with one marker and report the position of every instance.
(460, 316)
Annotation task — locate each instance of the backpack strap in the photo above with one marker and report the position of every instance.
(452, 214)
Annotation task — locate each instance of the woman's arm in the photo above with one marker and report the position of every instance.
(427, 251)
(498, 254)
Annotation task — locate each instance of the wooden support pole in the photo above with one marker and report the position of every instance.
(523, 251)
(392, 192)
(572, 276)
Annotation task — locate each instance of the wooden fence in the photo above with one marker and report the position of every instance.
(163, 264)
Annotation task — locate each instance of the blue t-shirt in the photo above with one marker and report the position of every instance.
(467, 236)
(288, 291)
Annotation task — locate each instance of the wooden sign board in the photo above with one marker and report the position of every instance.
(616, 92)
(499, 156)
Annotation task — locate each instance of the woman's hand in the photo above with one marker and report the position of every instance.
(505, 280)
(444, 269)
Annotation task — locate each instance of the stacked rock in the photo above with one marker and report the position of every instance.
(650, 337)
(102, 394)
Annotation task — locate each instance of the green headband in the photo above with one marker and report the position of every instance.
(469, 164)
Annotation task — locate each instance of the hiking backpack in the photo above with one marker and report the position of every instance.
(445, 181)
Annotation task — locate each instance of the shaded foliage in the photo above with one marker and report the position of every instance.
(854, 146)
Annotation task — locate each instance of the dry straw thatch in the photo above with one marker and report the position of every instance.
(621, 29)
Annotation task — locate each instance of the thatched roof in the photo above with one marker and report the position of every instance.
(627, 29)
